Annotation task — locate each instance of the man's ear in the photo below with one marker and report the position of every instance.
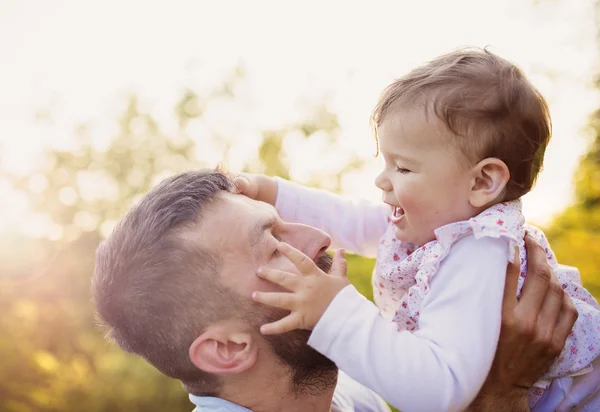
(222, 350)
(490, 177)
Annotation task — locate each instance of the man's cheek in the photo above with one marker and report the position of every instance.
(282, 264)
(285, 265)
(266, 286)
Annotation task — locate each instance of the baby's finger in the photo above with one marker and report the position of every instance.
(240, 184)
(280, 300)
(279, 277)
(299, 259)
(289, 323)
(340, 265)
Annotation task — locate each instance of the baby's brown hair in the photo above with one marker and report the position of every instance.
(487, 103)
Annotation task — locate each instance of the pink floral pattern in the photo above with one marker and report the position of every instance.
(403, 276)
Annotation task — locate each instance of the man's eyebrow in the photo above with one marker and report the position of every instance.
(257, 231)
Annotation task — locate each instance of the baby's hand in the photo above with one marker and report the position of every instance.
(256, 186)
(310, 292)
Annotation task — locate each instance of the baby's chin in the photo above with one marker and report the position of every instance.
(412, 238)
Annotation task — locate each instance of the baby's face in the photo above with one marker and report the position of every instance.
(425, 179)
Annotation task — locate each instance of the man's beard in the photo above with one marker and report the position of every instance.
(312, 373)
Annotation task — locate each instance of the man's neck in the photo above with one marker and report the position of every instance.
(276, 393)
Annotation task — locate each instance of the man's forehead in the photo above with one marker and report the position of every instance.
(242, 205)
(231, 219)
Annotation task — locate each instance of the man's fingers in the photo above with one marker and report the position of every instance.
(538, 277)
(289, 323)
(304, 264)
(280, 300)
(340, 265)
(286, 280)
(549, 312)
(512, 280)
(566, 319)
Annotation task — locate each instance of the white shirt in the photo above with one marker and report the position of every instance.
(349, 396)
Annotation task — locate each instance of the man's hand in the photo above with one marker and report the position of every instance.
(310, 292)
(533, 333)
(258, 187)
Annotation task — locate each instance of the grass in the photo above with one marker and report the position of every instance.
(359, 274)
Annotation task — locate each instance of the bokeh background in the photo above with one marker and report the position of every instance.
(101, 100)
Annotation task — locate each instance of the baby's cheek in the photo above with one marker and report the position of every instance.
(413, 204)
(423, 216)
(412, 190)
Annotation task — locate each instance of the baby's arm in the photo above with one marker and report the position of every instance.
(443, 365)
(354, 226)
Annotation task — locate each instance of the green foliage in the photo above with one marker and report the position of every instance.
(575, 234)
(359, 274)
(270, 154)
(54, 356)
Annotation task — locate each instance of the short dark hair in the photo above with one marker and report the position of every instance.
(489, 105)
(154, 291)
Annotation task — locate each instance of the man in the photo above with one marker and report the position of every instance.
(173, 284)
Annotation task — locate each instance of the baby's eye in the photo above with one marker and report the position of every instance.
(402, 170)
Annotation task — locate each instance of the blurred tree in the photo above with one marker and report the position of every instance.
(575, 233)
(54, 358)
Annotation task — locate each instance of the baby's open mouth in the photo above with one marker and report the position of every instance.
(398, 212)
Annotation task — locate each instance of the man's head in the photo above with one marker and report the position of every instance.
(173, 281)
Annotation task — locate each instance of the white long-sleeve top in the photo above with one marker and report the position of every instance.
(440, 367)
(354, 226)
(455, 305)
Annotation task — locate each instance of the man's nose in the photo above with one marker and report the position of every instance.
(309, 240)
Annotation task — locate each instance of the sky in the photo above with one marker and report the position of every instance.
(81, 57)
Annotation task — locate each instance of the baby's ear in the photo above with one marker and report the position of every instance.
(489, 179)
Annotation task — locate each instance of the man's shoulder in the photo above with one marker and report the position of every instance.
(349, 396)
(212, 404)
